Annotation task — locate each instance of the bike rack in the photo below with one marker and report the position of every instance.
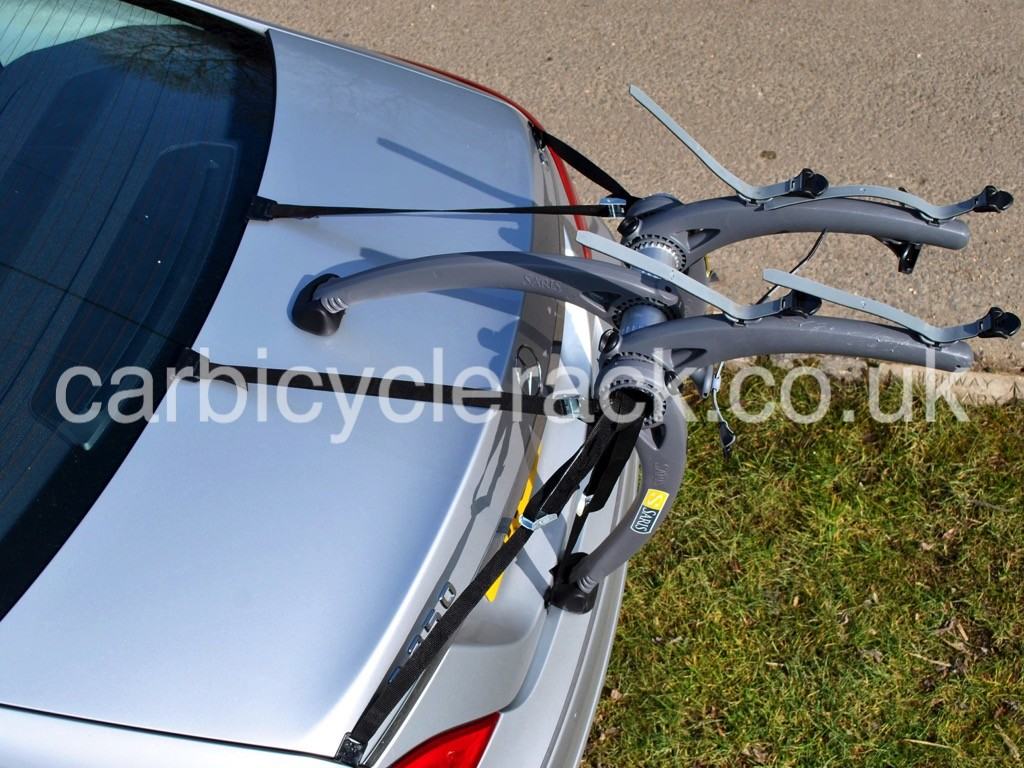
(808, 185)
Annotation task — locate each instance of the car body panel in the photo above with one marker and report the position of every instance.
(240, 590)
(279, 574)
(547, 706)
(546, 703)
(38, 740)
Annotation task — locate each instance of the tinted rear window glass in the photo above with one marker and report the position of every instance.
(131, 144)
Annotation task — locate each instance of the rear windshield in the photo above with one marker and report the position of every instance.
(131, 144)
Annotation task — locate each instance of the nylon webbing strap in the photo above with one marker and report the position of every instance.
(580, 162)
(607, 471)
(200, 367)
(550, 499)
(264, 209)
(602, 480)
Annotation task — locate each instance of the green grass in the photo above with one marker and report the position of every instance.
(840, 594)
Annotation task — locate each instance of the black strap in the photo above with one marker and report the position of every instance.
(580, 162)
(549, 500)
(265, 209)
(198, 366)
(607, 472)
(602, 481)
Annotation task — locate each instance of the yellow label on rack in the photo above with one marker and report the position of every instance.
(655, 499)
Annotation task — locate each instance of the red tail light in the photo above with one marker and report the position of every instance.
(461, 747)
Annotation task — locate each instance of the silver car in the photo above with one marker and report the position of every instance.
(220, 583)
(318, 549)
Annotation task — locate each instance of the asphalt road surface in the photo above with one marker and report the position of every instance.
(922, 95)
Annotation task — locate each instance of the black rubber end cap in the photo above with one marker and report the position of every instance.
(310, 315)
(567, 595)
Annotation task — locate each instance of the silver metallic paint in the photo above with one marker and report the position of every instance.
(251, 583)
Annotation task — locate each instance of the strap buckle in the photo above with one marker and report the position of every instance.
(533, 525)
(616, 206)
(569, 405)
